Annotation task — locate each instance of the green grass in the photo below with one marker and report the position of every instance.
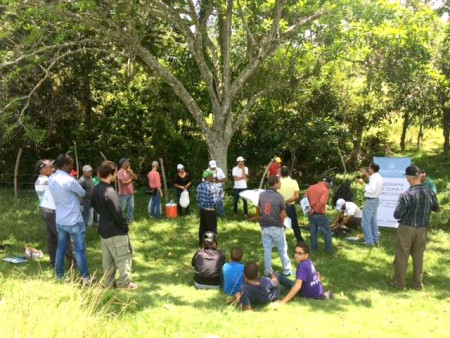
(167, 304)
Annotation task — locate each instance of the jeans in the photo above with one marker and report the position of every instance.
(236, 200)
(275, 237)
(127, 202)
(180, 209)
(88, 212)
(369, 221)
(208, 222)
(78, 234)
(154, 205)
(320, 222)
(285, 281)
(292, 214)
(220, 210)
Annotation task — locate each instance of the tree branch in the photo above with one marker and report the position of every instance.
(240, 119)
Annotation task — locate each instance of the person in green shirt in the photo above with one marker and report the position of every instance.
(427, 182)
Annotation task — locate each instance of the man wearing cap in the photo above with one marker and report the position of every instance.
(275, 167)
(240, 177)
(182, 182)
(219, 181)
(372, 192)
(273, 213)
(349, 215)
(66, 192)
(87, 183)
(126, 176)
(413, 212)
(207, 263)
(208, 196)
(47, 206)
(291, 192)
(318, 195)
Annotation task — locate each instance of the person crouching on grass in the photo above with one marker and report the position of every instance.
(307, 283)
(113, 230)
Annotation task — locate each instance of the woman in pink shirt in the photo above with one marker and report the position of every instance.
(154, 182)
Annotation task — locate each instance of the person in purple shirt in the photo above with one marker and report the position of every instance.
(307, 283)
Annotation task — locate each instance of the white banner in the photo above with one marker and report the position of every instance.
(394, 183)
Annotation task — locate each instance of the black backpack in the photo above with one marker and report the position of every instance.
(344, 191)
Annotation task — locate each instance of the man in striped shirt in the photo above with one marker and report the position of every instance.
(208, 196)
(413, 212)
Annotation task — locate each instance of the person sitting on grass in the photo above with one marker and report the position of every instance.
(258, 290)
(307, 283)
(207, 263)
(233, 273)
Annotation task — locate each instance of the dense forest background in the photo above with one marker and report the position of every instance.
(190, 80)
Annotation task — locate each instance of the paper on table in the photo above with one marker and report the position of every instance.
(251, 195)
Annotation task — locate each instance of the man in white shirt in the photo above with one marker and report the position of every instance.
(240, 177)
(219, 181)
(372, 192)
(349, 215)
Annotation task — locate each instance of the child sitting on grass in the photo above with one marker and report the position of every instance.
(207, 263)
(233, 273)
(307, 283)
(258, 290)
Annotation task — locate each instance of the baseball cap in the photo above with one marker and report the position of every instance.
(277, 159)
(240, 159)
(123, 160)
(155, 164)
(212, 164)
(339, 204)
(329, 180)
(207, 173)
(210, 237)
(180, 166)
(412, 170)
(87, 168)
(43, 163)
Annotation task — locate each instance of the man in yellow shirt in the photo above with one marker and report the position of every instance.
(291, 193)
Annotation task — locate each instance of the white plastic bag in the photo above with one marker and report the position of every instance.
(184, 199)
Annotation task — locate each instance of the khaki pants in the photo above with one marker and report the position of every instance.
(116, 255)
(410, 241)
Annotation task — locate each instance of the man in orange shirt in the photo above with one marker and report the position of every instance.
(275, 168)
(317, 195)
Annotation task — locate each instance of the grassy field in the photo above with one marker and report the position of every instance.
(33, 303)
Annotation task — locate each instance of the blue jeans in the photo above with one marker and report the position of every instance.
(154, 205)
(78, 234)
(292, 214)
(369, 221)
(320, 222)
(88, 212)
(127, 203)
(220, 210)
(285, 281)
(275, 237)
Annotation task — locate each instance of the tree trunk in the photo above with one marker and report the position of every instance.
(404, 130)
(420, 135)
(446, 131)
(218, 151)
(356, 153)
(16, 173)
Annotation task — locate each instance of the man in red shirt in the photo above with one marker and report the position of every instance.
(275, 167)
(317, 195)
(126, 176)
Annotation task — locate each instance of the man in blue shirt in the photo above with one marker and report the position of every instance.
(233, 273)
(66, 192)
(208, 195)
